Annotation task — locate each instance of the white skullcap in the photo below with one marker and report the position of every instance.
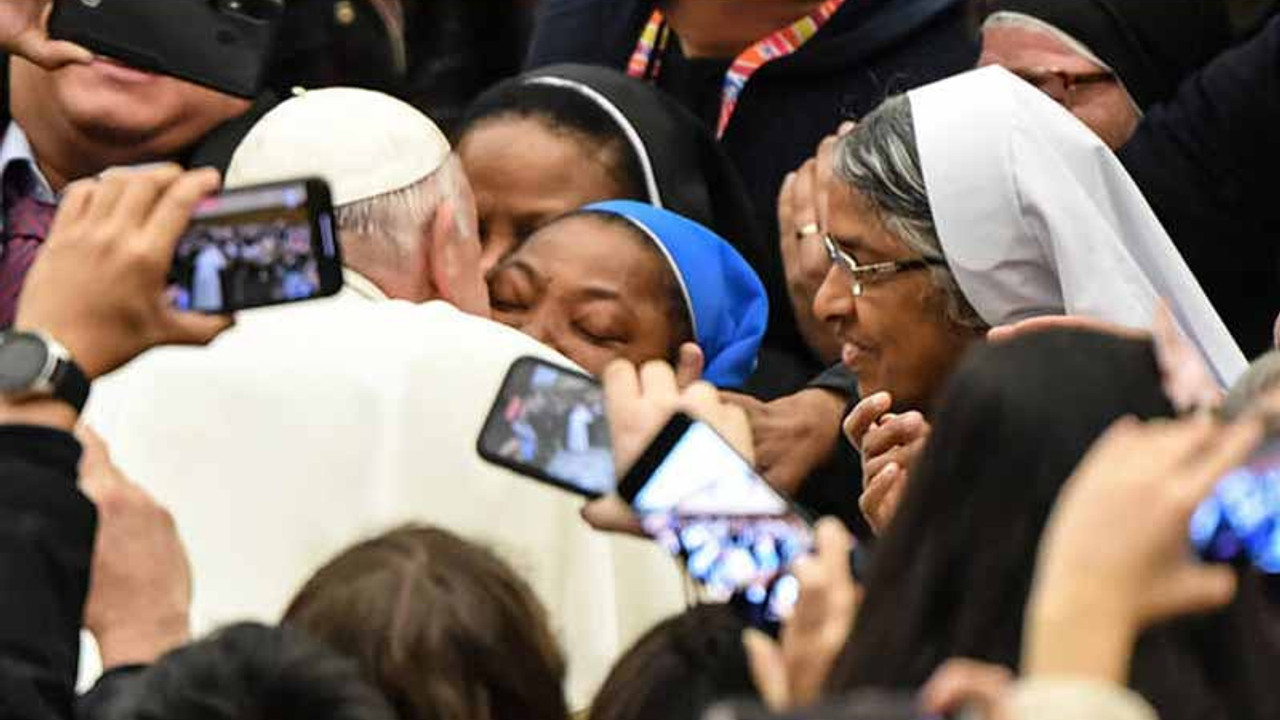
(364, 143)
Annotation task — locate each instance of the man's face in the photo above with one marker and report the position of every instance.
(109, 103)
(1052, 65)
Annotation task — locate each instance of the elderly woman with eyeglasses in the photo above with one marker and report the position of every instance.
(968, 204)
(1107, 61)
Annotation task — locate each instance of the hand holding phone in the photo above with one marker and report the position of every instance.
(704, 503)
(1240, 521)
(257, 246)
(548, 423)
(1115, 558)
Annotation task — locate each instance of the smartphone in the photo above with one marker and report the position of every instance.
(256, 246)
(868, 704)
(703, 502)
(548, 423)
(222, 44)
(1240, 522)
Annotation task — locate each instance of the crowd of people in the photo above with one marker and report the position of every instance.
(977, 282)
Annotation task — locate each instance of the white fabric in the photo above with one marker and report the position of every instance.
(363, 143)
(1037, 217)
(308, 427)
(1065, 698)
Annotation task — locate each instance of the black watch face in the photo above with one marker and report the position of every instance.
(22, 359)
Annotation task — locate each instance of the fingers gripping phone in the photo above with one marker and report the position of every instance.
(702, 501)
(1240, 522)
(221, 44)
(263, 245)
(548, 423)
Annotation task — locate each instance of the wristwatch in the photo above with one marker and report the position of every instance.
(34, 365)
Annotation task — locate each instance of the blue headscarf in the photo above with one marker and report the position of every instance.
(726, 300)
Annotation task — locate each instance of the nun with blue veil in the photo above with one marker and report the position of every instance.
(625, 279)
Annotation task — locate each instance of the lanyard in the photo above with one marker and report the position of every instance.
(646, 61)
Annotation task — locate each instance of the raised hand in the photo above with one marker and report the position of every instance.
(889, 444)
(139, 600)
(24, 31)
(98, 285)
(639, 402)
(1114, 558)
(792, 671)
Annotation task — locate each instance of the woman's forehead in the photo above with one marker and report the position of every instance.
(854, 223)
(591, 248)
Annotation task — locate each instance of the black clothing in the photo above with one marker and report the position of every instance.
(696, 83)
(46, 547)
(446, 53)
(868, 50)
(690, 172)
(1206, 162)
(1152, 46)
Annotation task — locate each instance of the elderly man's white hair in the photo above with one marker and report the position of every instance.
(389, 168)
(391, 225)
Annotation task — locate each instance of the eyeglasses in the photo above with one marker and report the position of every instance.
(1060, 84)
(860, 274)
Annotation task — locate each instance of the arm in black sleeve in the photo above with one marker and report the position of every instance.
(838, 379)
(46, 547)
(834, 487)
(1206, 162)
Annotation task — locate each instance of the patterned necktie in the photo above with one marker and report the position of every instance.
(26, 223)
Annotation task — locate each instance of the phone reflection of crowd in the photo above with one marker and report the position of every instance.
(558, 425)
(732, 554)
(217, 267)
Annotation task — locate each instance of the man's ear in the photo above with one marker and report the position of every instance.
(455, 263)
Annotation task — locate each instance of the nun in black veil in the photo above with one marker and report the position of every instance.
(547, 143)
(554, 140)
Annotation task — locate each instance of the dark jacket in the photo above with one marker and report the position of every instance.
(46, 547)
(1206, 162)
(867, 51)
(448, 52)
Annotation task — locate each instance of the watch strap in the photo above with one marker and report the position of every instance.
(70, 384)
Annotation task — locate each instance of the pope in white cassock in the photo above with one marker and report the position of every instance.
(310, 426)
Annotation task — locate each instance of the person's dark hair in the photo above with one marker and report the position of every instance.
(568, 113)
(442, 626)
(254, 672)
(953, 572)
(679, 668)
(675, 308)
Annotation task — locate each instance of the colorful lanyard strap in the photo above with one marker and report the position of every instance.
(646, 61)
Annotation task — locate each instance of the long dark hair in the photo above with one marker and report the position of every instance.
(953, 573)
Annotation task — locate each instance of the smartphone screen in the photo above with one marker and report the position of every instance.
(548, 422)
(703, 502)
(1240, 521)
(264, 245)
